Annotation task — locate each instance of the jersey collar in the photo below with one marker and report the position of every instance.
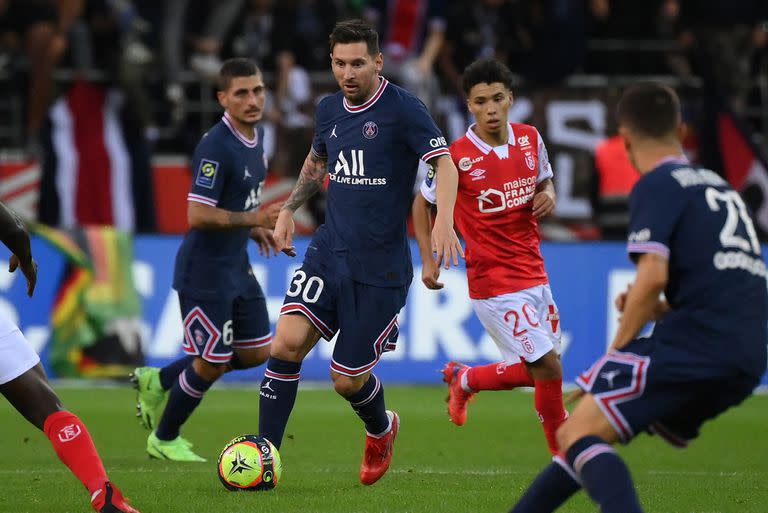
(482, 145)
(672, 159)
(370, 102)
(251, 143)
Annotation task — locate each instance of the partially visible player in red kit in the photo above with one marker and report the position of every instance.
(505, 186)
(24, 384)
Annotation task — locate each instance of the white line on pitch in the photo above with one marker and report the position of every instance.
(426, 471)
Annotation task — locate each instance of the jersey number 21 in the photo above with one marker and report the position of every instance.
(735, 210)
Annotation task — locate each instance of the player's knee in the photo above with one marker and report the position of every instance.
(347, 386)
(286, 348)
(546, 368)
(261, 355)
(290, 346)
(294, 338)
(209, 371)
(249, 358)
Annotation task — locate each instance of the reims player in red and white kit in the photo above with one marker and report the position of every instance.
(505, 186)
(24, 384)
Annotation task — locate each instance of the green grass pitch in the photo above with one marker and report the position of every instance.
(438, 467)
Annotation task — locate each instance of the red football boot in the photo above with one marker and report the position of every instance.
(109, 500)
(378, 452)
(457, 396)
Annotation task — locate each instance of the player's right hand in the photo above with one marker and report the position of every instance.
(430, 272)
(29, 270)
(283, 233)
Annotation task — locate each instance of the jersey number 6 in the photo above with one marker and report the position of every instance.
(297, 284)
(228, 334)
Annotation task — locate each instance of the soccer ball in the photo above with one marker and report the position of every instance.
(249, 462)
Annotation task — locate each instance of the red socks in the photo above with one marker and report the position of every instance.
(548, 396)
(75, 448)
(549, 405)
(498, 376)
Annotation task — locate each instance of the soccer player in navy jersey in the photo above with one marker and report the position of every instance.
(692, 238)
(369, 138)
(226, 325)
(24, 385)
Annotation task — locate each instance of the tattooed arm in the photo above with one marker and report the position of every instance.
(310, 181)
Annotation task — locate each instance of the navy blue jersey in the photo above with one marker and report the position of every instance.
(717, 277)
(373, 152)
(228, 173)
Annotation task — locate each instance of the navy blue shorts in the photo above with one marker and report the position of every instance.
(652, 386)
(365, 316)
(213, 329)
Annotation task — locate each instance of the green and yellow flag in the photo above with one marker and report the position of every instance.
(96, 301)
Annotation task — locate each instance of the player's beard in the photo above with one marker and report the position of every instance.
(356, 98)
(362, 94)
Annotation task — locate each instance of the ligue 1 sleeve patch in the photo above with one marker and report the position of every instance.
(430, 175)
(206, 173)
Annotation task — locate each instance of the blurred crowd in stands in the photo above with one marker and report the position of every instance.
(159, 52)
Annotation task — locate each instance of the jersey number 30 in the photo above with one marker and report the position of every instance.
(735, 209)
(312, 288)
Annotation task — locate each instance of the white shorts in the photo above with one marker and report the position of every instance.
(16, 355)
(524, 324)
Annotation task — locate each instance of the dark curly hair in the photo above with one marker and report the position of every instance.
(486, 71)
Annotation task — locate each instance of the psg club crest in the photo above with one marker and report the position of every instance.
(370, 130)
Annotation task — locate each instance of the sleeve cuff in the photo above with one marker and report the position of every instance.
(648, 247)
(435, 153)
(544, 176)
(202, 199)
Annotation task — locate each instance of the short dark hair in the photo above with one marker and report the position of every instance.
(355, 31)
(486, 71)
(650, 109)
(238, 67)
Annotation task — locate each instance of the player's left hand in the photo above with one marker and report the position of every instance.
(430, 272)
(29, 270)
(543, 204)
(265, 240)
(446, 244)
